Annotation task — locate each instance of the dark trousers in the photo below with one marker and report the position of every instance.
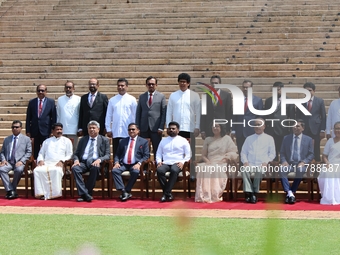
(117, 177)
(278, 142)
(167, 185)
(38, 140)
(192, 138)
(316, 141)
(115, 142)
(155, 139)
(85, 188)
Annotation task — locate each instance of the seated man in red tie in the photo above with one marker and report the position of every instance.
(131, 152)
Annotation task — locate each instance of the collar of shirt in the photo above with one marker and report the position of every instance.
(135, 138)
(89, 96)
(15, 136)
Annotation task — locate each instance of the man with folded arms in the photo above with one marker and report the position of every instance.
(16, 150)
(173, 151)
(131, 152)
(49, 172)
(91, 152)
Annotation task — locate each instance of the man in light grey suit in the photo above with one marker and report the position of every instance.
(151, 112)
(16, 150)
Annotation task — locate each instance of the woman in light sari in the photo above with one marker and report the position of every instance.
(329, 178)
(211, 175)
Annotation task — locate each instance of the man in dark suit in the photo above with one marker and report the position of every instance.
(93, 106)
(240, 131)
(16, 150)
(296, 153)
(131, 152)
(275, 128)
(41, 114)
(151, 112)
(215, 110)
(91, 152)
(316, 123)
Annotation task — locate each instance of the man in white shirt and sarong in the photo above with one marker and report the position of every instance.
(49, 171)
(258, 149)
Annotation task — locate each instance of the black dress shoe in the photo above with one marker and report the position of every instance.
(170, 197)
(253, 199)
(192, 179)
(8, 193)
(291, 200)
(12, 195)
(247, 197)
(125, 196)
(287, 200)
(85, 198)
(163, 199)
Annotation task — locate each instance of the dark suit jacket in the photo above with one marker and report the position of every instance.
(306, 149)
(317, 121)
(97, 112)
(152, 117)
(103, 148)
(23, 149)
(218, 111)
(42, 124)
(141, 150)
(247, 130)
(277, 128)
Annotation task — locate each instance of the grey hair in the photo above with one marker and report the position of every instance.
(93, 122)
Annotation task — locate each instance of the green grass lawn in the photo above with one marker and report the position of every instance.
(52, 234)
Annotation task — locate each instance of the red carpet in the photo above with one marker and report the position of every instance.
(149, 204)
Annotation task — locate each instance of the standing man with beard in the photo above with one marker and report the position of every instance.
(173, 151)
(120, 113)
(68, 112)
(93, 106)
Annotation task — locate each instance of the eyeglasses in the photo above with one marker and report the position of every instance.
(151, 84)
(131, 129)
(66, 87)
(40, 90)
(15, 127)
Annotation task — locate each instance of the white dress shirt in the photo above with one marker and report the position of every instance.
(68, 113)
(121, 111)
(55, 149)
(87, 148)
(172, 150)
(258, 149)
(184, 107)
(133, 151)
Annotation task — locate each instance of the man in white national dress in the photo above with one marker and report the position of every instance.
(49, 172)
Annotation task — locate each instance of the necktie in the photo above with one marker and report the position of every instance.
(310, 105)
(90, 155)
(246, 105)
(130, 151)
(215, 97)
(150, 99)
(295, 150)
(92, 100)
(13, 150)
(40, 108)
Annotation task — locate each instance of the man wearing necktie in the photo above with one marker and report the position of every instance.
(296, 153)
(151, 112)
(131, 152)
(89, 156)
(316, 123)
(16, 150)
(41, 114)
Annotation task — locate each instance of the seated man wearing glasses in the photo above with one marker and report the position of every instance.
(131, 152)
(16, 150)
